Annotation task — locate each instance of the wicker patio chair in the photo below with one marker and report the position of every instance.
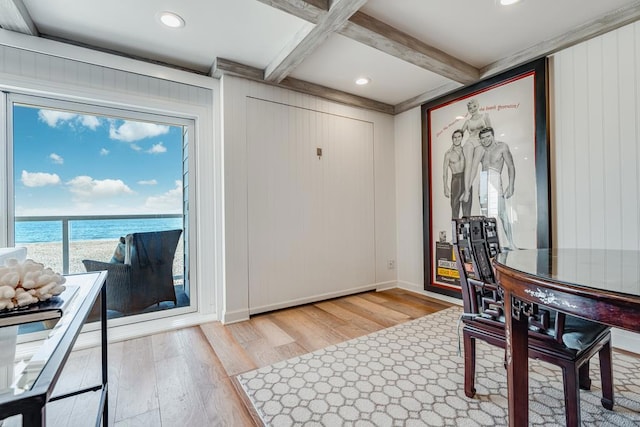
(146, 276)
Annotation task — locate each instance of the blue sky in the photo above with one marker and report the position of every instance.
(72, 164)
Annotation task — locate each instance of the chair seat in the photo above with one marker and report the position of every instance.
(578, 334)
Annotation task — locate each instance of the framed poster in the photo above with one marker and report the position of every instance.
(485, 152)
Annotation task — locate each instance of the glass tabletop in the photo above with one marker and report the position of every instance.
(19, 374)
(616, 271)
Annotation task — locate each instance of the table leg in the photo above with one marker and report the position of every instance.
(105, 364)
(35, 417)
(517, 362)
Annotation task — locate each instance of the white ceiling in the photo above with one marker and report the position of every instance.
(482, 36)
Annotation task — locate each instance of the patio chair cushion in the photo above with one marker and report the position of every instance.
(118, 254)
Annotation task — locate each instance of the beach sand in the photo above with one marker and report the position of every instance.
(50, 254)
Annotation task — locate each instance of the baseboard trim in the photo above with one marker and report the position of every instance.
(414, 287)
(383, 286)
(234, 316)
(625, 340)
(321, 297)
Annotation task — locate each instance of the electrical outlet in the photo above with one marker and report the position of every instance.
(391, 264)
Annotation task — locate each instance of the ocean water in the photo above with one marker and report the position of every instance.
(111, 229)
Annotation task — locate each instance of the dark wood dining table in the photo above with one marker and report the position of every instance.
(595, 284)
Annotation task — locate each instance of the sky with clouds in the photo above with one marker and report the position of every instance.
(73, 164)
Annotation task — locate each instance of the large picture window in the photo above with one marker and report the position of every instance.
(91, 183)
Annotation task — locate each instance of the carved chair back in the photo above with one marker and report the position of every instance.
(476, 243)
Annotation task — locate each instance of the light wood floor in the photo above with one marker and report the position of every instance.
(184, 377)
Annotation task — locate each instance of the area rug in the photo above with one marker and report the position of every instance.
(412, 375)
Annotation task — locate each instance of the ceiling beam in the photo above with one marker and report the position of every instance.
(310, 10)
(425, 97)
(14, 17)
(336, 95)
(603, 24)
(378, 35)
(308, 40)
(224, 66)
(372, 32)
(381, 36)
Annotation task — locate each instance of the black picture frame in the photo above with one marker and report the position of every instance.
(515, 104)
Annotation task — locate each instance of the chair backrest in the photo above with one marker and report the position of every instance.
(475, 243)
(152, 256)
(150, 248)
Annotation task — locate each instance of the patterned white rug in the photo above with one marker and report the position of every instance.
(412, 375)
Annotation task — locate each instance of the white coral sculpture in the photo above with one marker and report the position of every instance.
(28, 282)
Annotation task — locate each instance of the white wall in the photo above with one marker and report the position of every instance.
(235, 92)
(408, 150)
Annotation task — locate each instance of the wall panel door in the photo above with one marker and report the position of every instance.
(311, 231)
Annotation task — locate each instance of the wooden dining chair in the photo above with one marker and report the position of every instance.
(565, 341)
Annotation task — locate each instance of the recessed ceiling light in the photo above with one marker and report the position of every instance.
(171, 19)
(363, 81)
(508, 2)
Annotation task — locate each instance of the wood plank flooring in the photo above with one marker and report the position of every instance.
(184, 377)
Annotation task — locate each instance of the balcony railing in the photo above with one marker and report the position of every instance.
(65, 229)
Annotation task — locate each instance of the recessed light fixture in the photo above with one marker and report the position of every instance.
(509, 2)
(363, 81)
(171, 19)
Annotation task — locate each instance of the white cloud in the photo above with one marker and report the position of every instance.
(157, 149)
(135, 131)
(39, 179)
(170, 202)
(53, 118)
(148, 182)
(86, 187)
(136, 147)
(55, 158)
(104, 151)
(91, 122)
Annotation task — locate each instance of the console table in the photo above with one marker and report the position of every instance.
(34, 383)
(599, 285)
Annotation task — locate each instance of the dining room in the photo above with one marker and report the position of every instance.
(308, 190)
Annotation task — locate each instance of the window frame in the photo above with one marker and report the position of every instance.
(122, 112)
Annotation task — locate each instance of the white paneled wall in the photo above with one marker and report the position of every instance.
(409, 199)
(48, 73)
(595, 105)
(595, 99)
(310, 218)
(317, 120)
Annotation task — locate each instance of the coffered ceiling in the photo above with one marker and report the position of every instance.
(411, 50)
